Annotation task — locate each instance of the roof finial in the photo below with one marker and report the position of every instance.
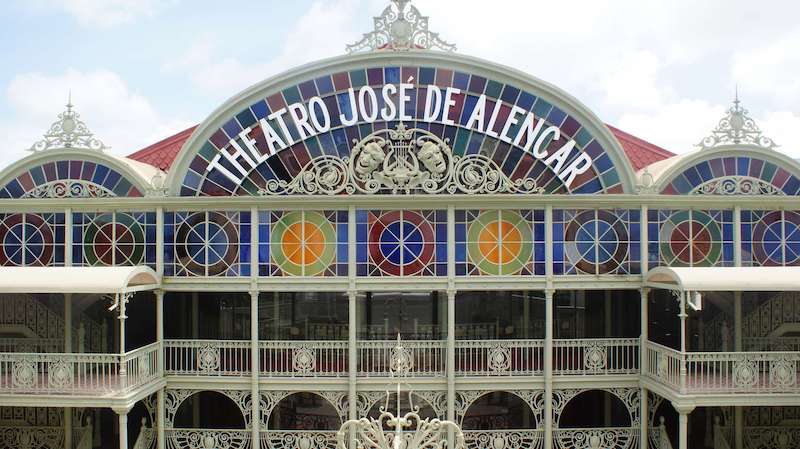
(68, 132)
(737, 128)
(400, 27)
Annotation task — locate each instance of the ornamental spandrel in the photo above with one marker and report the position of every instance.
(68, 132)
(400, 27)
(737, 128)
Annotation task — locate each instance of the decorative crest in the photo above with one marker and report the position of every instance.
(737, 128)
(400, 27)
(401, 160)
(646, 183)
(69, 132)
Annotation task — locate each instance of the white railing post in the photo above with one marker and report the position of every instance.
(682, 314)
(123, 427)
(161, 442)
(683, 424)
(548, 370)
(255, 419)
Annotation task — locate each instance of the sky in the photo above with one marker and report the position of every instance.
(142, 70)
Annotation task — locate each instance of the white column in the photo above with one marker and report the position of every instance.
(451, 355)
(67, 349)
(123, 429)
(161, 418)
(683, 425)
(255, 417)
(682, 314)
(352, 354)
(123, 370)
(160, 242)
(643, 399)
(68, 237)
(548, 369)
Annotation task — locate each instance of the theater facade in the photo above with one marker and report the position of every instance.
(402, 215)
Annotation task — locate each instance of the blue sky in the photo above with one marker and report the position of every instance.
(140, 70)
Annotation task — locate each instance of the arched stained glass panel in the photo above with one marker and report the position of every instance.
(117, 238)
(207, 244)
(596, 241)
(682, 238)
(770, 238)
(303, 243)
(499, 242)
(401, 243)
(35, 239)
(742, 174)
(70, 179)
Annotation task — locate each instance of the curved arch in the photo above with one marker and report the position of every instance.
(124, 177)
(614, 173)
(621, 408)
(699, 167)
(327, 419)
(531, 417)
(219, 410)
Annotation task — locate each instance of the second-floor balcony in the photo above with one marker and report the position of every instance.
(473, 358)
(723, 372)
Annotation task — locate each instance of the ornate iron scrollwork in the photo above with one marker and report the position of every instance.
(401, 160)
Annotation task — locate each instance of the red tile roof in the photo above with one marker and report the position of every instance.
(640, 152)
(162, 154)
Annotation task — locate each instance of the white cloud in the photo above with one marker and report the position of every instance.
(678, 126)
(121, 118)
(771, 69)
(784, 128)
(104, 13)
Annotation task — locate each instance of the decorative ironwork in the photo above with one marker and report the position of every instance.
(400, 27)
(208, 358)
(500, 358)
(772, 437)
(410, 431)
(594, 357)
(783, 373)
(745, 373)
(60, 374)
(611, 438)
(737, 128)
(504, 439)
(296, 439)
(304, 359)
(70, 188)
(23, 374)
(203, 439)
(401, 160)
(646, 183)
(736, 185)
(31, 437)
(69, 132)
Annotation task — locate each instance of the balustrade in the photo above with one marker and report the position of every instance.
(78, 373)
(207, 438)
(426, 358)
(293, 439)
(207, 357)
(596, 356)
(504, 439)
(599, 437)
(303, 358)
(499, 357)
(724, 372)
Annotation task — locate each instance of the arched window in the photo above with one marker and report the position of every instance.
(304, 411)
(498, 410)
(209, 410)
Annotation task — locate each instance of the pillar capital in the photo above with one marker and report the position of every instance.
(683, 409)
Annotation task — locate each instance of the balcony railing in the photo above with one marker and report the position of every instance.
(596, 356)
(303, 358)
(207, 357)
(599, 437)
(499, 357)
(504, 439)
(427, 357)
(207, 438)
(291, 439)
(724, 372)
(78, 373)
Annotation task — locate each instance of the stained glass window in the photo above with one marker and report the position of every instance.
(516, 163)
(499, 242)
(725, 167)
(207, 244)
(69, 179)
(596, 242)
(116, 238)
(401, 243)
(683, 238)
(35, 239)
(770, 238)
(302, 243)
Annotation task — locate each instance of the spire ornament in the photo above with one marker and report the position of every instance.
(737, 128)
(69, 132)
(400, 27)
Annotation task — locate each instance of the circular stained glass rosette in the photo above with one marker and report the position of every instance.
(107, 243)
(776, 240)
(694, 239)
(211, 244)
(401, 245)
(27, 241)
(499, 244)
(303, 246)
(596, 243)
